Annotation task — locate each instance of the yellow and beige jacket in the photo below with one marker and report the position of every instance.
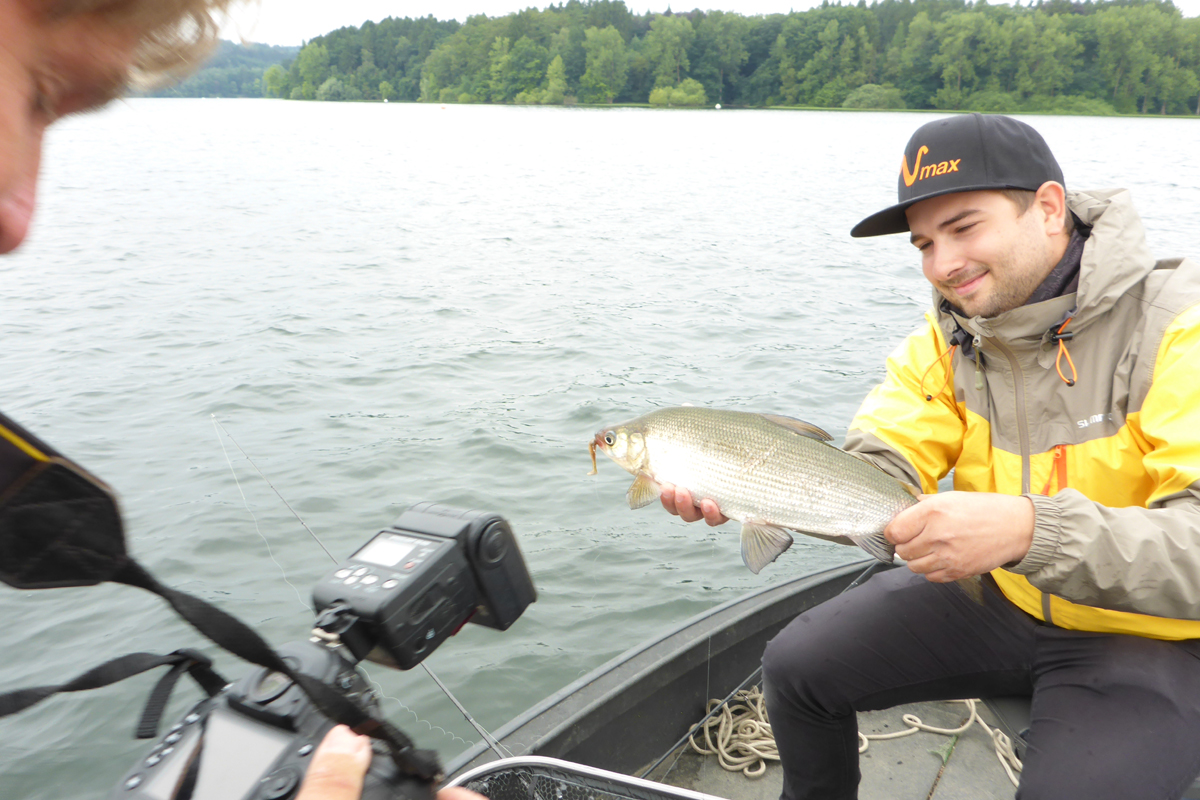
(1098, 426)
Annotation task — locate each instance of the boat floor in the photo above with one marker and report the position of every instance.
(909, 768)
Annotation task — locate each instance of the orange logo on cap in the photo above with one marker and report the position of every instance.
(920, 173)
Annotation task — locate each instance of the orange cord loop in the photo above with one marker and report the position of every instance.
(1061, 337)
(948, 351)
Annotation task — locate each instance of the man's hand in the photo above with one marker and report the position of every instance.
(338, 767)
(678, 501)
(955, 535)
(340, 764)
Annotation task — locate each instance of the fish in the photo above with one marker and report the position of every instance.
(772, 473)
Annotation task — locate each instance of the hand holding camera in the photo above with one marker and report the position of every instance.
(339, 765)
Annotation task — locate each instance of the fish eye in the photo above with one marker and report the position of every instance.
(609, 439)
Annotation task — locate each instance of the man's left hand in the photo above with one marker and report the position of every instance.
(955, 535)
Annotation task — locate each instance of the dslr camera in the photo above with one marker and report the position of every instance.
(393, 601)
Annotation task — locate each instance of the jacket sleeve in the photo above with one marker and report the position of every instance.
(897, 429)
(1144, 560)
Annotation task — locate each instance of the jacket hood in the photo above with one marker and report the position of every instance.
(1115, 259)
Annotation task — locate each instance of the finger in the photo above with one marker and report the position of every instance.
(458, 793)
(905, 526)
(338, 766)
(712, 513)
(685, 505)
(926, 564)
(667, 498)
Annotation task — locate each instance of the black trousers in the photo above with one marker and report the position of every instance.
(1113, 716)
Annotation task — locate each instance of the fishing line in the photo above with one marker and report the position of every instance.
(498, 748)
(217, 422)
(246, 503)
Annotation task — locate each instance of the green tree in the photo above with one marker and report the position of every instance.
(313, 63)
(918, 76)
(959, 39)
(274, 80)
(527, 66)
(500, 61)
(387, 91)
(689, 92)
(607, 65)
(667, 46)
(556, 83)
(872, 95)
(725, 36)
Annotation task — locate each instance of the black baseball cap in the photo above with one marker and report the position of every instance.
(965, 153)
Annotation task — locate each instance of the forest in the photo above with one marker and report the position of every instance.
(234, 70)
(1126, 56)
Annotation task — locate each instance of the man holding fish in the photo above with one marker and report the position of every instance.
(1058, 376)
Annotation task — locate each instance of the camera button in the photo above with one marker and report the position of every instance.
(350, 581)
(192, 718)
(133, 781)
(305, 750)
(409, 566)
(369, 579)
(280, 784)
(390, 583)
(172, 737)
(166, 751)
(153, 759)
(341, 573)
(360, 571)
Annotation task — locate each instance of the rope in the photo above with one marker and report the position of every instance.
(744, 741)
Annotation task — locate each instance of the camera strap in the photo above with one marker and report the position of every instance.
(182, 661)
(61, 526)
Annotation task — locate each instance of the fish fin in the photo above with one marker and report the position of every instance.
(972, 587)
(877, 545)
(914, 491)
(642, 492)
(762, 544)
(799, 426)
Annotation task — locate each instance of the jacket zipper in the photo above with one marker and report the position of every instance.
(1023, 436)
(1022, 423)
(1058, 470)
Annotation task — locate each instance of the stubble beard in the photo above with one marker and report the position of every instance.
(1014, 277)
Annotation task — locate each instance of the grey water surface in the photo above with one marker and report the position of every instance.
(392, 303)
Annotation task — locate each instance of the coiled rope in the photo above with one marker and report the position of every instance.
(741, 738)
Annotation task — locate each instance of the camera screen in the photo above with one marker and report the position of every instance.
(238, 751)
(386, 550)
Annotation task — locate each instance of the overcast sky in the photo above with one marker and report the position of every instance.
(289, 22)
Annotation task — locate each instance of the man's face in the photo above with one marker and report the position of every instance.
(979, 252)
(50, 65)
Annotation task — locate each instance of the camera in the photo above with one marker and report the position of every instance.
(398, 597)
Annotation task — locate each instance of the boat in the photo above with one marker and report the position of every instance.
(620, 732)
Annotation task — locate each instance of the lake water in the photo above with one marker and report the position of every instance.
(393, 303)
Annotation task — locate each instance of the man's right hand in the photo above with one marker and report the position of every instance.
(678, 501)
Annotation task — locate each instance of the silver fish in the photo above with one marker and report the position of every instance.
(769, 472)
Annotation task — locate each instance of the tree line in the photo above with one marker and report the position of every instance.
(234, 70)
(1113, 56)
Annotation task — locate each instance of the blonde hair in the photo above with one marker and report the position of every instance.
(176, 34)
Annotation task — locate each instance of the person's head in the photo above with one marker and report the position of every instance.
(983, 199)
(59, 57)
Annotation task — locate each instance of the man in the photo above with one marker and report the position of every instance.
(1057, 376)
(60, 57)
